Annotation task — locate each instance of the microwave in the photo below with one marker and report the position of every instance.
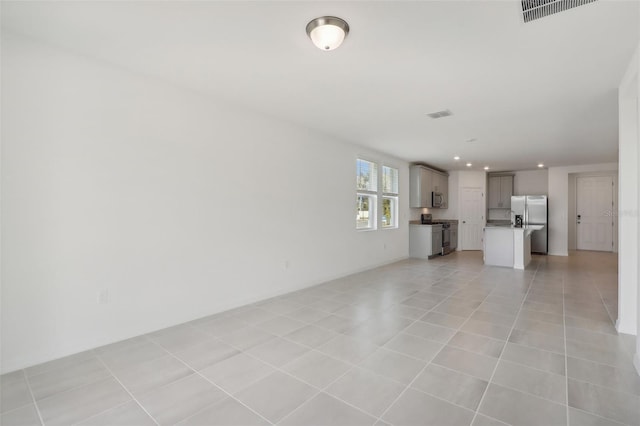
(438, 201)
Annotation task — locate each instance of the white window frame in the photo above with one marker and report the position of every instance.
(391, 194)
(371, 193)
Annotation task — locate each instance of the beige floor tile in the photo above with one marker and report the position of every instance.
(325, 410)
(205, 353)
(317, 369)
(393, 365)
(14, 393)
(452, 386)
(414, 346)
(62, 379)
(237, 372)
(227, 412)
(127, 414)
(25, 416)
(604, 402)
(534, 358)
(366, 390)
(348, 349)
(81, 403)
(417, 408)
(181, 399)
(476, 365)
(150, 375)
(518, 408)
(476, 343)
(539, 383)
(276, 396)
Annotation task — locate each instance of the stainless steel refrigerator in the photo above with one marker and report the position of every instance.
(534, 210)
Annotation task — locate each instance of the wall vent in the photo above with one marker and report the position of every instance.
(536, 9)
(440, 114)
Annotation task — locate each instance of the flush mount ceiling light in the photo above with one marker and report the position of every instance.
(486, 167)
(541, 165)
(456, 158)
(469, 164)
(327, 32)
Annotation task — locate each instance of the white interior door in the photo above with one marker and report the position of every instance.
(594, 207)
(471, 218)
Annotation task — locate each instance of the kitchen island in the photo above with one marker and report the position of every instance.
(508, 245)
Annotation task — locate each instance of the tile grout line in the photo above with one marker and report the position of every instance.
(280, 370)
(101, 412)
(477, 411)
(33, 398)
(196, 372)
(408, 386)
(125, 388)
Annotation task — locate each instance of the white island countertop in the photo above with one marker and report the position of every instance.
(508, 246)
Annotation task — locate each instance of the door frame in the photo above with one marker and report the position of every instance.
(573, 207)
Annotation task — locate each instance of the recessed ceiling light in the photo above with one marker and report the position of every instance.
(456, 158)
(486, 167)
(540, 165)
(469, 164)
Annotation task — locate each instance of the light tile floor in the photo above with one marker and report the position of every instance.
(440, 342)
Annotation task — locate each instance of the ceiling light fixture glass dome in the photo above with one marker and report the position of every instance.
(327, 32)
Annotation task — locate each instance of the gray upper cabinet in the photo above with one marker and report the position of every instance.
(420, 187)
(500, 192)
(424, 181)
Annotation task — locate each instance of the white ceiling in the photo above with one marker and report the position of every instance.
(543, 91)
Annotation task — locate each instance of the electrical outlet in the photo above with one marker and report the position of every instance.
(103, 297)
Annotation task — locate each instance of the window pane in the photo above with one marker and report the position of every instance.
(365, 206)
(389, 180)
(367, 176)
(389, 208)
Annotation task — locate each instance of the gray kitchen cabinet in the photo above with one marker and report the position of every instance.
(421, 182)
(425, 241)
(441, 185)
(500, 191)
(424, 181)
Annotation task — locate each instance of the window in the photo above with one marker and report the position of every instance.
(367, 194)
(389, 197)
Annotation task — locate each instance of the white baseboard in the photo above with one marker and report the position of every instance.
(11, 365)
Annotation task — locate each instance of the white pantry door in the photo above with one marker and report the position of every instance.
(471, 218)
(594, 213)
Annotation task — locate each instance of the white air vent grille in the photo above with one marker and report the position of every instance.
(536, 9)
(440, 114)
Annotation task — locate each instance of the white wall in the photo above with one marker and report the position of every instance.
(178, 206)
(559, 203)
(531, 182)
(629, 133)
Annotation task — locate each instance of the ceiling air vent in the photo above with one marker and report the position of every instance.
(536, 9)
(440, 114)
